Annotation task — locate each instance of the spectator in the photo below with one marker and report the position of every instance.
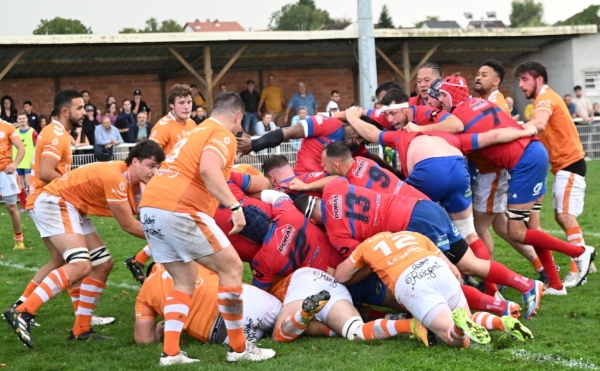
(267, 124)
(222, 88)
(302, 113)
(199, 115)
(529, 111)
(138, 105)
(107, 137)
(333, 107)
(126, 122)
(570, 105)
(109, 100)
(32, 118)
(142, 130)
(52, 116)
(8, 111)
(584, 106)
(43, 122)
(197, 97)
(78, 137)
(514, 112)
(301, 98)
(334, 100)
(89, 123)
(86, 100)
(112, 112)
(596, 108)
(250, 97)
(272, 98)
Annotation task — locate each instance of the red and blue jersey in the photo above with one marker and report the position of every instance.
(366, 173)
(291, 243)
(318, 132)
(417, 101)
(238, 184)
(422, 115)
(351, 214)
(284, 187)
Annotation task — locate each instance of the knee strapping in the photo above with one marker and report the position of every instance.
(75, 255)
(100, 256)
(465, 226)
(351, 327)
(518, 215)
(537, 207)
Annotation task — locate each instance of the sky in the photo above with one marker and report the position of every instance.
(107, 17)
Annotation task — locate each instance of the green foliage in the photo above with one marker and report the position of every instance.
(526, 13)
(429, 18)
(385, 20)
(61, 26)
(301, 16)
(587, 16)
(152, 26)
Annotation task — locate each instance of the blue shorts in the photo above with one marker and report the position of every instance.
(371, 290)
(445, 180)
(429, 219)
(23, 171)
(527, 180)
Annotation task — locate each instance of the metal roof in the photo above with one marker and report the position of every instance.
(77, 55)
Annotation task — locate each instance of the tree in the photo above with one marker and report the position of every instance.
(61, 26)
(428, 18)
(385, 20)
(587, 16)
(526, 13)
(301, 16)
(152, 26)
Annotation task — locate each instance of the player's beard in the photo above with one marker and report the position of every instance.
(533, 93)
(73, 121)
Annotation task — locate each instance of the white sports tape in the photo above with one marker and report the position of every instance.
(100, 256)
(465, 226)
(77, 254)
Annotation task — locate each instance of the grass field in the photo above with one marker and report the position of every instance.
(566, 328)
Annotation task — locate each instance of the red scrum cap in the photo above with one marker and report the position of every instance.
(456, 87)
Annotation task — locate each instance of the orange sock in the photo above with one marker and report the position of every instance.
(32, 285)
(144, 255)
(18, 237)
(177, 308)
(54, 283)
(231, 307)
(537, 265)
(74, 293)
(455, 337)
(91, 289)
(292, 327)
(383, 329)
(488, 320)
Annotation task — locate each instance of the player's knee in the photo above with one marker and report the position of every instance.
(565, 220)
(101, 259)
(79, 257)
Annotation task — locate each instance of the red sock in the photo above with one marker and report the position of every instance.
(479, 301)
(373, 314)
(542, 240)
(23, 198)
(481, 251)
(547, 260)
(504, 276)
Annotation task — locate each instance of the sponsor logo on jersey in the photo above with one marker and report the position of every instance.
(222, 145)
(544, 102)
(360, 169)
(319, 119)
(479, 103)
(54, 142)
(315, 174)
(336, 206)
(170, 173)
(286, 233)
(378, 113)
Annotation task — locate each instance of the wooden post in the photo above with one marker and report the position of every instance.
(423, 60)
(189, 67)
(228, 65)
(390, 63)
(11, 64)
(406, 66)
(209, 80)
(163, 96)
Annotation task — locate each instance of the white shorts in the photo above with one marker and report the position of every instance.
(260, 312)
(427, 283)
(181, 236)
(490, 192)
(309, 281)
(568, 193)
(9, 184)
(54, 216)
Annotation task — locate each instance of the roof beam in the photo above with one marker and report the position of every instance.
(11, 64)
(190, 68)
(390, 63)
(423, 60)
(228, 65)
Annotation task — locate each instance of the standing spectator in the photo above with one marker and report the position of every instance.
(272, 98)
(199, 115)
(334, 100)
(112, 112)
(86, 100)
(8, 111)
(596, 109)
(28, 136)
(267, 124)
(143, 128)
(251, 98)
(89, 123)
(301, 98)
(333, 107)
(43, 122)
(107, 136)
(32, 118)
(138, 105)
(197, 97)
(584, 106)
(126, 122)
(514, 112)
(570, 105)
(222, 88)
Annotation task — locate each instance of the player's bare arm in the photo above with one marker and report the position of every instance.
(257, 183)
(48, 171)
(16, 141)
(271, 139)
(345, 271)
(298, 185)
(364, 129)
(540, 119)
(126, 220)
(451, 124)
(506, 135)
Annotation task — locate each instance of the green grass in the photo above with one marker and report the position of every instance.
(565, 329)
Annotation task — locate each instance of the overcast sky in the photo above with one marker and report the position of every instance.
(21, 17)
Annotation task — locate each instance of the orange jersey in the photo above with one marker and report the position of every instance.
(91, 188)
(246, 169)
(390, 254)
(53, 141)
(7, 133)
(178, 185)
(169, 131)
(560, 136)
(204, 311)
(498, 99)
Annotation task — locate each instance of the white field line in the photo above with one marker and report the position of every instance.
(558, 360)
(562, 233)
(4, 263)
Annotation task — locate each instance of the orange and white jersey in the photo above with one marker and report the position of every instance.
(560, 136)
(178, 185)
(7, 133)
(92, 188)
(169, 131)
(53, 141)
(204, 311)
(498, 99)
(246, 169)
(390, 254)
